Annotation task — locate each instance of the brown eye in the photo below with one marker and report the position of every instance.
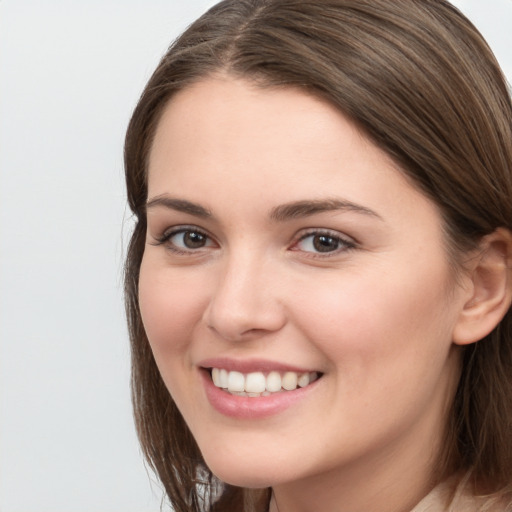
(193, 239)
(324, 243)
(186, 240)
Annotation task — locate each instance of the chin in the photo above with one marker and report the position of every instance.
(243, 473)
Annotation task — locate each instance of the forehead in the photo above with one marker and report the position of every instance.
(226, 109)
(228, 140)
(232, 119)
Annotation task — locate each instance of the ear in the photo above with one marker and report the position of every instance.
(490, 278)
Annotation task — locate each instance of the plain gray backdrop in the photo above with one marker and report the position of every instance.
(70, 75)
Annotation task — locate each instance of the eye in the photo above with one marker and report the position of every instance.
(189, 240)
(323, 242)
(185, 239)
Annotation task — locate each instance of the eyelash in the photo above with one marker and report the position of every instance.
(344, 244)
(165, 238)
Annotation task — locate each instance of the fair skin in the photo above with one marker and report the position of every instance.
(281, 239)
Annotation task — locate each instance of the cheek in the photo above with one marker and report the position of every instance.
(387, 349)
(170, 305)
(365, 320)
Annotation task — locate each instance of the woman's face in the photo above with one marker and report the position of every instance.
(284, 248)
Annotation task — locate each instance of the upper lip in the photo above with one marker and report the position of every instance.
(251, 365)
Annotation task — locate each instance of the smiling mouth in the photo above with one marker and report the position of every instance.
(257, 384)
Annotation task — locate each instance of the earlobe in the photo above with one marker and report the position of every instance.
(491, 285)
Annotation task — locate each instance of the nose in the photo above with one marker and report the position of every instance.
(244, 303)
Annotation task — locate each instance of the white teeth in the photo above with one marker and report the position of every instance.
(289, 381)
(303, 380)
(256, 384)
(273, 382)
(223, 379)
(236, 381)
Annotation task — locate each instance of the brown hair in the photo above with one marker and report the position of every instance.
(420, 81)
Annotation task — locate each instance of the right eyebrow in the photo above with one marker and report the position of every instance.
(306, 208)
(179, 205)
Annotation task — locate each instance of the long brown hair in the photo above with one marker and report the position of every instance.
(420, 81)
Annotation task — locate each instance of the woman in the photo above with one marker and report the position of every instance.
(319, 280)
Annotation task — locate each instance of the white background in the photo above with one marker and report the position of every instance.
(70, 74)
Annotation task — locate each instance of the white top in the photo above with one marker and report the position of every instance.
(454, 496)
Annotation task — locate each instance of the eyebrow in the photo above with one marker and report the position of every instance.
(281, 213)
(180, 205)
(299, 209)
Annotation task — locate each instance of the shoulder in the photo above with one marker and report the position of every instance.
(455, 495)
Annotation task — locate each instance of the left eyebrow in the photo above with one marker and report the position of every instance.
(306, 208)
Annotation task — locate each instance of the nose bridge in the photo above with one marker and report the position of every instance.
(243, 301)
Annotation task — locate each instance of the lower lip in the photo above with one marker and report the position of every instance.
(243, 407)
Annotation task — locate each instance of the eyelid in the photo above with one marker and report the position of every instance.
(347, 243)
(168, 233)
